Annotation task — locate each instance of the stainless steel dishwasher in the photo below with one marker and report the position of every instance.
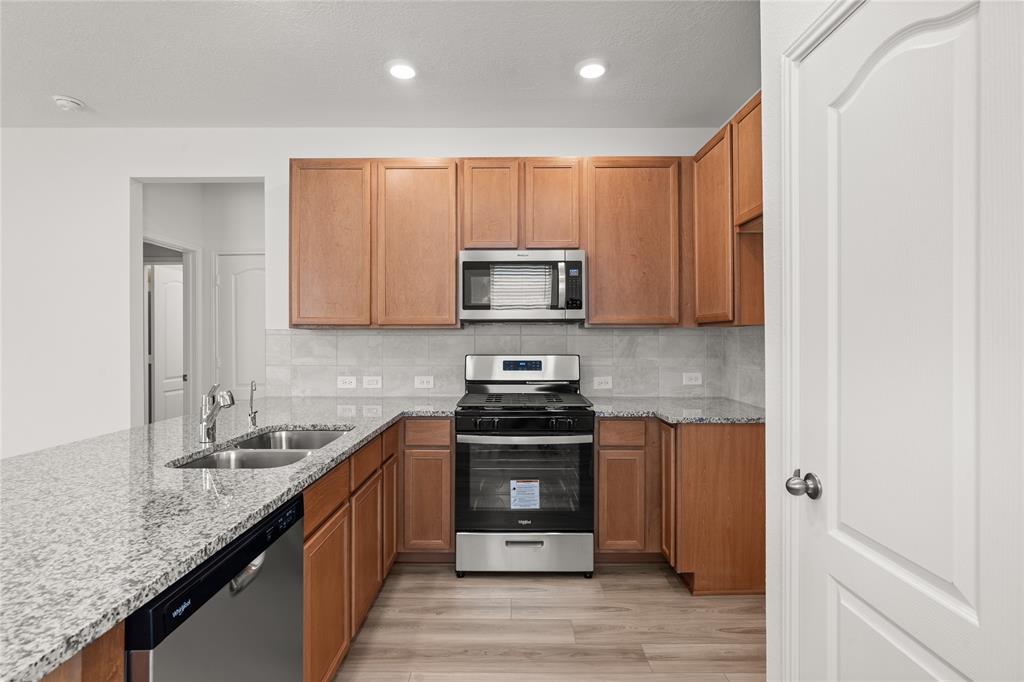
(237, 616)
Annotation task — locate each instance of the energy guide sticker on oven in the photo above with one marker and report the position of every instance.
(525, 493)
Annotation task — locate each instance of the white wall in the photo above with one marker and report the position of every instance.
(781, 24)
(66, 269)
(208, 218)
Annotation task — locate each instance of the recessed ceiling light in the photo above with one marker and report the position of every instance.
(68, 103)
(403, 71)
(590, 69)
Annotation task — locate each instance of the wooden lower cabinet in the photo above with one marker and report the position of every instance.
(367, 553)
(427, 497)
(720, 507)
(390, 516)
(621, 500)
(326, 623)
(101, 661)
(667, 458)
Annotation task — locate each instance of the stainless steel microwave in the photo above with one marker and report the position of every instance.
(531, 285)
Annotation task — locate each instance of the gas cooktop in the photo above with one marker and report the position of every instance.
(541, 400)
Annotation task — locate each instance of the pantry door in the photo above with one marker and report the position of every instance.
(903, 314)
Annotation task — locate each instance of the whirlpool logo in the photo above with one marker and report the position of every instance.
(524, 522)
(181, 609)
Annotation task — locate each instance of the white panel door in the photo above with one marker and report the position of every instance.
(241, 322)
(168, 342)
(904, 326)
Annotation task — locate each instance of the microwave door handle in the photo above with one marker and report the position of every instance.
(561, 285)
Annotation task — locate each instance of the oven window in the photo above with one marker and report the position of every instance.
(536, 477)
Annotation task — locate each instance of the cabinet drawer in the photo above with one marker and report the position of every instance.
(428, 432)
(622, 432)
(366, 460)
(324, 496)
(391, 442)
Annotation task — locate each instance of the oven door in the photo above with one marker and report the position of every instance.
(524, 483)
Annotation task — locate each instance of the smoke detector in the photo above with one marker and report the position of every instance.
(68, 103)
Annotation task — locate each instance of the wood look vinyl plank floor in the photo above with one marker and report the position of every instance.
(629, 622)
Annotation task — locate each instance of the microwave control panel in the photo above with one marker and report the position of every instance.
(574, 285)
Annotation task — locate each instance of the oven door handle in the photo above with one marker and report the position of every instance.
(523, 440)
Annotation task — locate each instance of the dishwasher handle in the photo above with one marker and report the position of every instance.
(247, 575)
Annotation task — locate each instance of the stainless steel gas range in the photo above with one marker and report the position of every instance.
(524, 466)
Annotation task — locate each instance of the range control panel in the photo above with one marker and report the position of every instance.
(522, 366)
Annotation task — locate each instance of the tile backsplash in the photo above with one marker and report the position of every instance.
(640, 362)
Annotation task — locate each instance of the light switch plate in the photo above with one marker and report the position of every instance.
(423, 381)
(346, 382)
(371, 382)
(602, 382)
(692, 379)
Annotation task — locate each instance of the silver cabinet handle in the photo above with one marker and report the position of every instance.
(809, 485)
(524, 543)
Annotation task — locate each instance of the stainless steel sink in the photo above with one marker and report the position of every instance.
(246, 459)
(289, 440)
(267, 450)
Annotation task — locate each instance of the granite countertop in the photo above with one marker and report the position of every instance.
(92, 530)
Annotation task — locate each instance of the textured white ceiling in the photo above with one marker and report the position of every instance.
(670, 64)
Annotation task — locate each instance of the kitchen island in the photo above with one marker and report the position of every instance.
(92, 530)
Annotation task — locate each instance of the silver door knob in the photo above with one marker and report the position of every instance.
(809, 485)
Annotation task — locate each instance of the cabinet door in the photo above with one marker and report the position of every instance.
(326, 611)
(551, 204)
(329, 269)
(416, 246)
(490, 203)
(746, 162)
(621, 504)
(427, 482)
(390, 548)
(633, 240)
(668, 492)
(367, 533)
(713, 231)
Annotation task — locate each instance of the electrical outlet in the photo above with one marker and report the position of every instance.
(602, 382)
(371, 382)
(423, 382)
(371, 410)
(346, 382)
(692, 379)
(346, 410)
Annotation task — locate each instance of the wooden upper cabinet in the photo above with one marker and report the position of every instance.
(551, 204)
(633, 240)
(416, 242)
(746, 162)
(330, 223)
(713, 231)
(490, 203)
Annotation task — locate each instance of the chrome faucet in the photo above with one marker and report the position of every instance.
(213, 402)
(252, 412)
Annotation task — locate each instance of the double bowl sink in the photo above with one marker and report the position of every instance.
(267, 450)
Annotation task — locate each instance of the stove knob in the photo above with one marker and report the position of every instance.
(553, 424)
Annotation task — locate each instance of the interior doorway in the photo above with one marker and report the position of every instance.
(166, 362)
(199, 314)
